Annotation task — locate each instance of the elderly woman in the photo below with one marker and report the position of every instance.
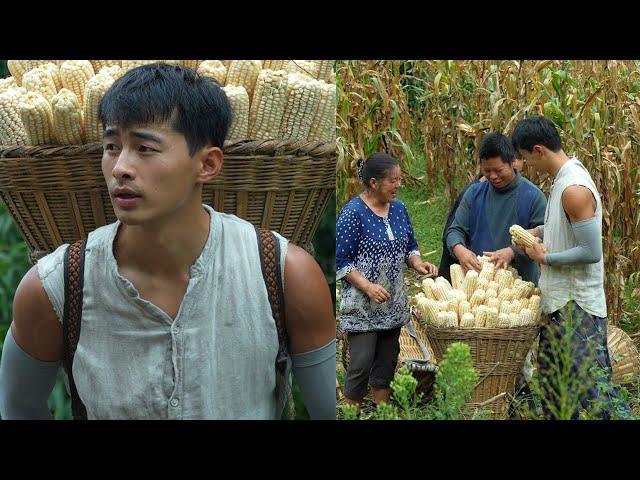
(374, 238)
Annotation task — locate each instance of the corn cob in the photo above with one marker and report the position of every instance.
(7, 83)
(477, 298)
(323, 126)
(457, 276)
(469, 284)
(503, 320)
(31, 64)
(307, 68)
(244, 73)
(481, 316)
(332, 77)
(54, 70)
(514, 319)
(487, 272)
(505, 294)
(536, 291)
(463, 307)
(95, 89)
(504, 278)
(74, 75)
(516, 306)
(240, 107)
(114, 71)
(37, 118)
(429, 309)
(213, 69)
(482, 283)
(275, 64)
(505, 307)
(452, 305)
(324, 69)
(17, 68)
(527, 317)
(67, 118)
(534, 302)
(226, 63)
(131, 64)
(11, 129)
(268, 104)
(452, 320)
(493, 303)
(520, 290)
(427, 285)
(40, 80)
(455, 294)
(522, 238)
(492, 318)
(443, 319)
(100, 64)
(490, 293)
(467, 320)
(302, 100)
(193, 64)
(443, 281)
(439, 291)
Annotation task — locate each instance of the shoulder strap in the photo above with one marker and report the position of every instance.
(73, 284)
(269, 249)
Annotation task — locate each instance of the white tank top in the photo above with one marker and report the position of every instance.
(215, 361)
(582, 283)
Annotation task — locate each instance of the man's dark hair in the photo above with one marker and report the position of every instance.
(377, 166)
(536, 130)
(497, 145)
(193, 105)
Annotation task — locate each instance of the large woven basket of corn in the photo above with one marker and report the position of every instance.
(624, 357)
(280, 156)
(498, 356)
(57, 194)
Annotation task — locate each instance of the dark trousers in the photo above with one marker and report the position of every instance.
(373, 359)
(587, 347)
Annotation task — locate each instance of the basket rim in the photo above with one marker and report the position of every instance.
(243, 147)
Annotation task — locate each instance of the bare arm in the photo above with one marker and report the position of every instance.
(311, 327)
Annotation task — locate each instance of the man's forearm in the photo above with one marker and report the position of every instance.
(588, 250)
(25, 383)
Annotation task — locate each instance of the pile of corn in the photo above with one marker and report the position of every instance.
(50, 102)
(493, 298)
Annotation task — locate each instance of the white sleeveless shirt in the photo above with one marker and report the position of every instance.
(215, 361)
(582, 283)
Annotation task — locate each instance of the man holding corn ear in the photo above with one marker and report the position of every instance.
(487, 210)
(176, 316)
(572, 273)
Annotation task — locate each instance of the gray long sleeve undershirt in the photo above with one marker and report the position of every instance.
(587, 250)
(25, 383)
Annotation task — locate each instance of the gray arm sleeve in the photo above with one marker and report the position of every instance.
(588, 250)
(25, 383)
(541, 231)
(315, 372)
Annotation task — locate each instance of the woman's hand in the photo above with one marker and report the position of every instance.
(425, 268)
(377, 293)
(501, 258)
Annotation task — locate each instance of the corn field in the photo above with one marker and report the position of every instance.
(432, 115)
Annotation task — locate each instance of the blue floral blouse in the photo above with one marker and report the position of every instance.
(378, 248)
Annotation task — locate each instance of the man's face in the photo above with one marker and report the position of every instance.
(534, 158)
(148, 171)
(499, 173)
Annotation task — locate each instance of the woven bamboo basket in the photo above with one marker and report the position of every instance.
(498, 356)
(57, 194)
(624, 357)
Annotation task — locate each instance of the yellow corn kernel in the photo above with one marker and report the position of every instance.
(74, 75)
(11, 129)
(67, 118)
(214, 69)
(95, 90)
(240, 107)
(244, 73)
